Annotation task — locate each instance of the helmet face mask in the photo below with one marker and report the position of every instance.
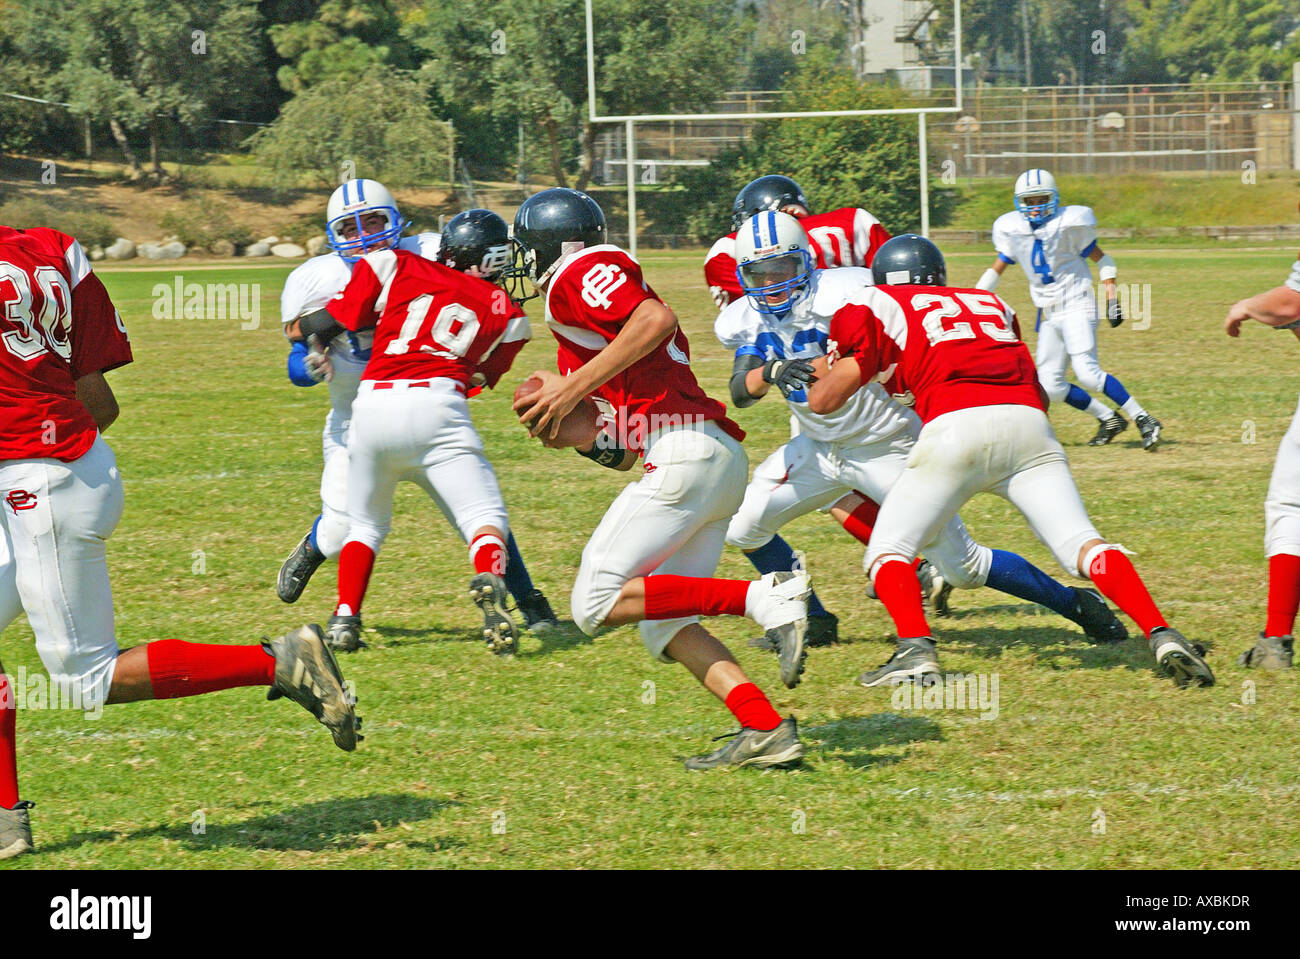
(1036, 196)
(477, 243)
(350, 219)
(773, 263)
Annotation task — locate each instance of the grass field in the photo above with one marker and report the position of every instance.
(569, 755)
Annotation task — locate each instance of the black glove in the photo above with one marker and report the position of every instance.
(790, 376)
(1114, 315)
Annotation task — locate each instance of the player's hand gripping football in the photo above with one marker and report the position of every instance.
(789, 376)
(545, 409)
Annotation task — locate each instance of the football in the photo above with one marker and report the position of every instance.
(577, 429)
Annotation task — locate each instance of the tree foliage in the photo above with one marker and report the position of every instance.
(339, 39)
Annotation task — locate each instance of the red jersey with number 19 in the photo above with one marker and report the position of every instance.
(950, 348)
(590, 297)
(430, 320)
(57, 324)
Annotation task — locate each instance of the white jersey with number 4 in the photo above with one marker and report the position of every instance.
(1054, 256)
(870, 414)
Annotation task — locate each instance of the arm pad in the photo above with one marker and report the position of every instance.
(320, 324)
(1106, 267)
(740, 394)
(297, 369)
(988, 280)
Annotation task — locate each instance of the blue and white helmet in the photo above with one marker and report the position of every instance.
(773, 262)
(1037, 186)
(349, 203)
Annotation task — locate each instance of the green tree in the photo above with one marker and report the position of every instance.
(338, 39)
(525, 59)
(375, 127)
(1178, 41)
(135, 63)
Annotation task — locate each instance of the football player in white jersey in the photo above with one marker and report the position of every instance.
(777, 329)
(1280, 309)
(1053, 244)
(361, 217)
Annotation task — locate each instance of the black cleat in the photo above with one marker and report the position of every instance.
(1149, 427)
(1099, 623)
(755, 747)
(823, 630)
(488, 591)
(538, 617)
(296, 570)
(343, 634)
(935, 590)
(1271, 652)
(913, 661)
(1179, 658)
(307, 673)
(16, 830)
(1108, 429)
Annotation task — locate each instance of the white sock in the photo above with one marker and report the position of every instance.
(1133, 408)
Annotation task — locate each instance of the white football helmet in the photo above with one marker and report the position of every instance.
(349, 203)
(773, 262)
(1037, 186)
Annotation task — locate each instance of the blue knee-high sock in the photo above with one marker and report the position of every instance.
(1077, 398)
(1115, 391)
(776, 556)
(1013, 574)
(516, 576)
(311, 534)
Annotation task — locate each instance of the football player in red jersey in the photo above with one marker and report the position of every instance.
(651, 558)
(959, 353)
(439, 331)
(61, 499)
(1278, 308)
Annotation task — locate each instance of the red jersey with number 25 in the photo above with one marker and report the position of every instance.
(430, 320)
(950, 348)
(588, 300)
(849, 236)
(57, 324)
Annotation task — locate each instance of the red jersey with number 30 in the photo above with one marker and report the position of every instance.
(430, 320)
(950, 348)
(57, 324)
(591, 296)
(849, 236)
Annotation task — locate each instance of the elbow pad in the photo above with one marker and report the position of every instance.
(740, 394)
(989, 280)
(321, 325)
(297, 368)
(1106, 267)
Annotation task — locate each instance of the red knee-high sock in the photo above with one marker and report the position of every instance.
(356, 561)
(668, 597)
(1283, 594)
(1119, 582)
(860, 522)
(751, 708)
(8, 745)
(488, 554)
(177, 668)
(900, 591)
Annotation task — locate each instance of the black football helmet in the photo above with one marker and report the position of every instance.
(550, 224)
(771, 192)
(909, 259)
(476, 240)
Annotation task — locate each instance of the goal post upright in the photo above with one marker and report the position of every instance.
(630, 120)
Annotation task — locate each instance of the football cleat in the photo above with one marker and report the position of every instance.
(343, 633)
(488, 591)
(781, 608)
(16, 830)
(935, 590)
(1180, 659)
(823, 630)
(538, 617)
(1099, 623)
(1149, 427)
(297, 569)
(913, 661)
(307, 673)
(755, 747)
(1271, 652)
(1108, 429)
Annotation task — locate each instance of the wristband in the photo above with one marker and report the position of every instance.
(610, 456)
